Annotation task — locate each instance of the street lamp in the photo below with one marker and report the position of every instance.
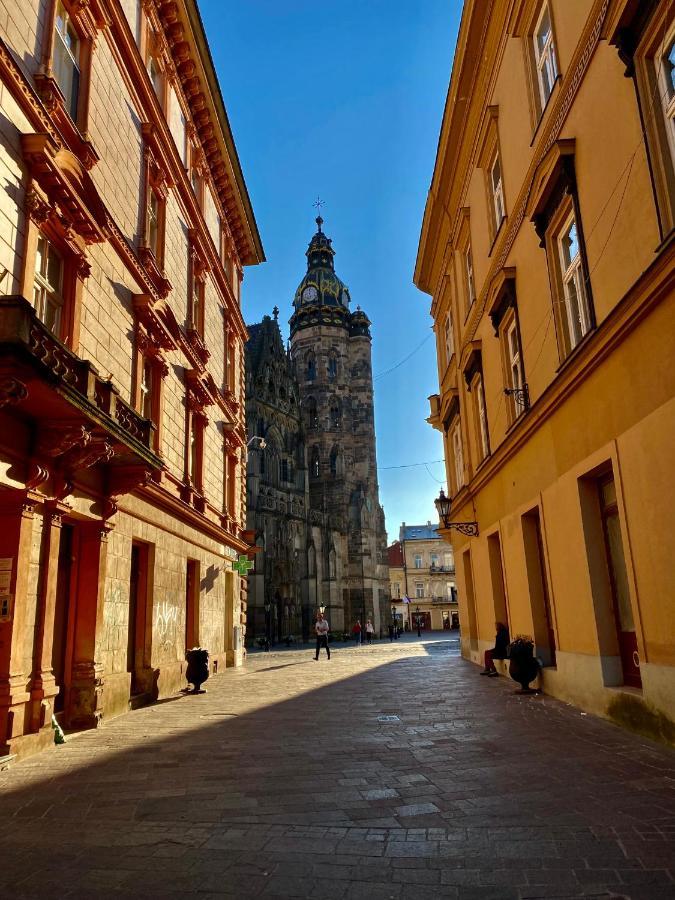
(256, 437)
(443, 505)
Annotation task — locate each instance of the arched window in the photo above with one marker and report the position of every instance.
(335, 461)
(311, 366)
(312, 413)
(316, 463)
(270, 388)
(332, 563)
(311, 560)
(332, 365)
(335, 415)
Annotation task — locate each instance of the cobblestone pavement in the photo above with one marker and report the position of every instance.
(283, 781)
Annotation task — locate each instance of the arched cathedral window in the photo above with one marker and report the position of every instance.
(335, 415)
(311, 366)
(332, 365)
(335, 461)
(332, 563)
(311, 560)
(316, 463)
(312, 413)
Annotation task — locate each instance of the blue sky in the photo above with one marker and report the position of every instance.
(344, 100)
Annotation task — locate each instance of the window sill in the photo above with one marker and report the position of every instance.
(577, 349)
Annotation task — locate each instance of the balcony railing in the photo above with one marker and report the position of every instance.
(449, 570)
(22, 331)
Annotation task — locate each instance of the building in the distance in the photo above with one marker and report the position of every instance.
(422, 579)
(313, 496)
(548, 249)
(126, 225)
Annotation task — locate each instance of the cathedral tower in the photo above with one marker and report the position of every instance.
(331, 352)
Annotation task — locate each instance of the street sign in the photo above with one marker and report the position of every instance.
(242, 565)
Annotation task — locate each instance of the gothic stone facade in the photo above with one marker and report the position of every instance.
(125, 227)
(312, 492)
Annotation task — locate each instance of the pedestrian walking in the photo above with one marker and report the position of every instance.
(322, 628)
(391, 633)
(498, 651)
(370, 631)
(356, 632)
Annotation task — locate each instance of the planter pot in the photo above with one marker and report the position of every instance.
(523, 667)
(197, 668)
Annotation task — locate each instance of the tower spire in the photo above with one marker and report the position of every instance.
(318, 204)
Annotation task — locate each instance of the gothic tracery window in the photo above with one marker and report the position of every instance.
(316, 463)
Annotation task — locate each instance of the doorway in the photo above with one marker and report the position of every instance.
(618, 578)
(540, 597)
(62, 613)
(192, 604)
(138, 596)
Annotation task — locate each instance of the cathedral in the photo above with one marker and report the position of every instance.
(312, 490)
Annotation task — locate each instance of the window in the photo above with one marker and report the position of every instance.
(456, 438)
(310, 363)
(332, 366)
(334, 454)
(284, 470)
(481, 417)
(312, 413)
(146, 389)
(230, 362)
(316, 463)
(448, 590)
(665, 74)
(48, 285)
(515, 381)
(67, 59)
(231, 485)
(449, 338)
(335, 416)
(418, 561)
(470, 283)
(575, 317)
(544, 55)
(197, 302)
(434, 560)
(497, 192)
(449, 559)
(419, 590)
(195, 450)
(397, 590)
(155, 75)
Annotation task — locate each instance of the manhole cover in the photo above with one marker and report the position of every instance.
(388, 719)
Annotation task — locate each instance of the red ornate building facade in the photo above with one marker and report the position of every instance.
(125, 225)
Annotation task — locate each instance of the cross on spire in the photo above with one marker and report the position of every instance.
(317, 205)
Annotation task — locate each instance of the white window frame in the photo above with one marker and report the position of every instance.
(470, 282)
(153, 222)
(458, 454)
(449, 338)
(481, 414)
(448, 559)
(666, 89)
(67, 62)
(418, 561)
(514, 361)
(572, 277)
(48, 296)
(419, 590)
(146, 388)
(545, 60)
(497, 191)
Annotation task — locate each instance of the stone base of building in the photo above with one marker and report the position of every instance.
(592, 683)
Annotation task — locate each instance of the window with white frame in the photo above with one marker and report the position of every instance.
(481, 416)
(449, 338)
(576, 317)
(419, 590)
(434, 559)
(397, 590)
(470, 282)
(544, 55)
(497, 192)
(448, 589)
(146, 388)
(666, 87)
(458, 455)
(67, 59)
(448, 559)
(48, 285)
(418, 561)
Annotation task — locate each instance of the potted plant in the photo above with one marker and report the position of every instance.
(523, 666)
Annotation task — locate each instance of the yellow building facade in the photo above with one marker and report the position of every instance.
(547, 247)
(422, 579)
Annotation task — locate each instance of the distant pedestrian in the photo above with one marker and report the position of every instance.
(356, 632)
(391, 633)
(498, 651)
(322, 628)
(370, 631)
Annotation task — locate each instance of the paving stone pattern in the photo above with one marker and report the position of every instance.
(281, 782)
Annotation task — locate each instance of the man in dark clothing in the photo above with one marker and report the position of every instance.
(498, 651)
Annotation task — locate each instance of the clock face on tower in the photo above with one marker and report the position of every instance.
(310, 294)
